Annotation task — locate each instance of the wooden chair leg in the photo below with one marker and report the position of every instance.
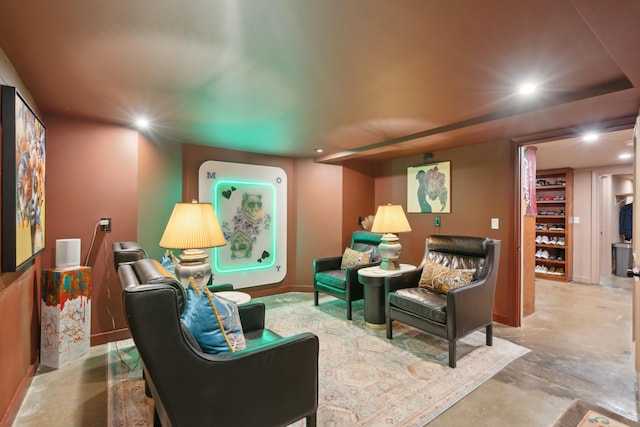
(452, 353)
(489, 334)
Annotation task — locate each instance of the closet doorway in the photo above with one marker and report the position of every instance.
(602, 185)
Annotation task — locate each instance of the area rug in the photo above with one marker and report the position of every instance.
(364, 379)
(127, 402)
(368, 380)
(585, 414)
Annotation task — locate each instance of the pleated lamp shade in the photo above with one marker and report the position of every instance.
(192, 226)
(390, 219)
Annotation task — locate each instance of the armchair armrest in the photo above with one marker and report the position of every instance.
(282, 371)
(472, 306)
(408, 279)
(324, 264)
(252, 316)
(217, 287)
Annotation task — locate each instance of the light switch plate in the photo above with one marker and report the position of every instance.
(495, 223)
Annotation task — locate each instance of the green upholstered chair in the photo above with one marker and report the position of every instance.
(329, 278)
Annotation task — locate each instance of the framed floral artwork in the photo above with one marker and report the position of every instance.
(23, 181)
(429, 188)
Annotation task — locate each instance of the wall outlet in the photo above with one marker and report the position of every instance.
(105, 224)
(495, 223)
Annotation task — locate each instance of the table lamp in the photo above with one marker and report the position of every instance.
(192, 227)
(390, 219)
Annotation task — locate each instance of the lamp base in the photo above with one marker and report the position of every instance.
(390, 264)
(389, 249)
(193, 264)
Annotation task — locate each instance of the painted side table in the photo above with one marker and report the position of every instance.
(65, 315)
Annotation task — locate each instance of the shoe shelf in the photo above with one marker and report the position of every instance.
(553, 243)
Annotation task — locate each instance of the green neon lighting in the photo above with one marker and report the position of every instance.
(241, 228)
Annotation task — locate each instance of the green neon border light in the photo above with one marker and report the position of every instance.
(217, 198)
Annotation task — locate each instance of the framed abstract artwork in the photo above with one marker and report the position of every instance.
(429, 188)
(23, 181)
(250, 202)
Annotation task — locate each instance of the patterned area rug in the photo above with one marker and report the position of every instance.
(365, 379)
(368, 380)
(585, 414)
(127, 403)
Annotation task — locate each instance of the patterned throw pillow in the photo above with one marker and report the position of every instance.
(213, 321)
(440, 278)
(431, 270)
(352, 257)
(451, 279)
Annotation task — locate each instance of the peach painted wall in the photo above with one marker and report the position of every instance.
(159, 188)
(318, 206)
(92, 172)
(481, 189)
(358, 197)
(19, 304)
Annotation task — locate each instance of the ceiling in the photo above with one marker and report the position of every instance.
(368, 79)
(577, 153)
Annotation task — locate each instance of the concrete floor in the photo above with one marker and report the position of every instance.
(580, 341)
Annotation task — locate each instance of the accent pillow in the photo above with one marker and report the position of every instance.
(168, 262)
(430, 271)
(213, 321)
(451, 279)
(352, 257)
(440, 278)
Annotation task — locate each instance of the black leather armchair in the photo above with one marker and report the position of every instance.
(343, 284)
(127, 252)
(461, 310)
(130, 252)
(274, 382)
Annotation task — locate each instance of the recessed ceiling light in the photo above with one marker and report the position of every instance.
(625, 156)
(142, 123)
(319, 150)
(527, 88)
(590, 136)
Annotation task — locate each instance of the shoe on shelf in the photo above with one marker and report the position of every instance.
(545, 240)
(553, 240)
(559, 254)
(539, 238)
(544, 254)
(539, 253)
(560, 241)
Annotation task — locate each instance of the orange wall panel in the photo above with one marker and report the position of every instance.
(92, 172)
(481, 189)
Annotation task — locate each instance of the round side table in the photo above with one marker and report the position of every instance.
(235, 296)
(372, 279)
